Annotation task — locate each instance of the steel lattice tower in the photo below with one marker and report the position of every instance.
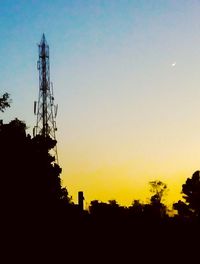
(45, 109)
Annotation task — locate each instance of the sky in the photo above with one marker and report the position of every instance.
(127, 84)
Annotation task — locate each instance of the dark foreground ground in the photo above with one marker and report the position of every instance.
(86, 240)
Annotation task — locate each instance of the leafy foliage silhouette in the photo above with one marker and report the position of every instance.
(28, 166)
(191, 194)
(4, 102)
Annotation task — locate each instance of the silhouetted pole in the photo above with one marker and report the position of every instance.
(80, 200)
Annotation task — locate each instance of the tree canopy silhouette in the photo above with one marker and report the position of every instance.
(30, 179)
(191, 195)
(4, 102)
(158, 188)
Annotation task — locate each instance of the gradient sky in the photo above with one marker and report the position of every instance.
(126, 115)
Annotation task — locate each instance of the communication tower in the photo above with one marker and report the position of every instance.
(44, 108)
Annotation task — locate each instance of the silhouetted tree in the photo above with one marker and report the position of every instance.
(30, 179)
(156, 209)
(183, 210)
(137, 209)
(4, 102)
(158, 189)
(110, 212)
(191, 195)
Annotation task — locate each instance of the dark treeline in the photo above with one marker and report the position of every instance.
(41, 224)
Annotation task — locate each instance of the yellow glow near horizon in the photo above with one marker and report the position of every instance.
(122, 181)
